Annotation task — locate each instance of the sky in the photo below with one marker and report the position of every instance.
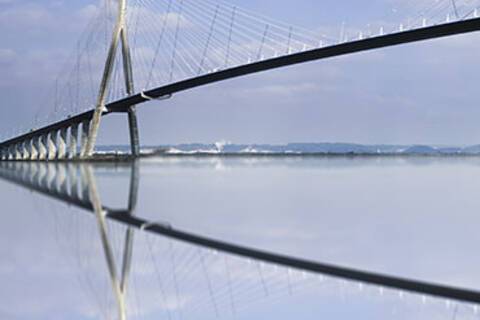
(423, 93)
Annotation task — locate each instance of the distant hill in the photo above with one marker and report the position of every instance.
(222, 148)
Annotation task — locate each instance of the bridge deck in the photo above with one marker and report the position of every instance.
(381, 41)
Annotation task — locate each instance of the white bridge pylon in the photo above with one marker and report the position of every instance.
(119, 35)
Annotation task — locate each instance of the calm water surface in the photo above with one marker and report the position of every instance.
(408, 217)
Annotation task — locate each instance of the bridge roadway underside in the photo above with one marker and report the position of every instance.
(50, 142)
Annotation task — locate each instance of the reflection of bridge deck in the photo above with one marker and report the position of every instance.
(54, 181)
(60, 182)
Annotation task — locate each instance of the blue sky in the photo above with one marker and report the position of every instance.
(418, 93)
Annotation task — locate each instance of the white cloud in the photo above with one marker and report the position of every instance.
(284, 89)
(7, 56)
(25, 17)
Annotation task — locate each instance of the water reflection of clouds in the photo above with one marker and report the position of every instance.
(314, 162)
(423, 210)
(317, 208)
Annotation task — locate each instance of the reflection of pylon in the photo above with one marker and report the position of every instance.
(119, 285)
(119, 35)
(455, 9)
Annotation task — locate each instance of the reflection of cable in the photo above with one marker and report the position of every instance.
(308, 265)
(455, 9)
(455, 311)
(209, 283)
(159, 278)
(229, 283)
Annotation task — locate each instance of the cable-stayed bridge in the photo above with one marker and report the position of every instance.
(143, 50)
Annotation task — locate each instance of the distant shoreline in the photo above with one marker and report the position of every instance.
(125, 158)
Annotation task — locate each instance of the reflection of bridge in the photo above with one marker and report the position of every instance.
(208, 43)
(75, 185)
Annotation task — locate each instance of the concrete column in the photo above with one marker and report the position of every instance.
(12, 152)
(84, 138)
(34, 148)
(62, 144)
(134, 135)
(2, 154)
(54, 139)
(42, 147)
(51, 148)
(26, 150)
(73, 145)
(20, 150)
(11, 155)
(18, 153)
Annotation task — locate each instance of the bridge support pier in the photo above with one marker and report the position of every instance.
(18, 154)
(21, 150)
(54, 139)
(26, 150)
(84, 138)
(73, 145)
(42, 147)
(51, 148)
(132, 111)
(33, 149)
(13, 151)
(37, 142)
(61, 143)
(134, 135)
